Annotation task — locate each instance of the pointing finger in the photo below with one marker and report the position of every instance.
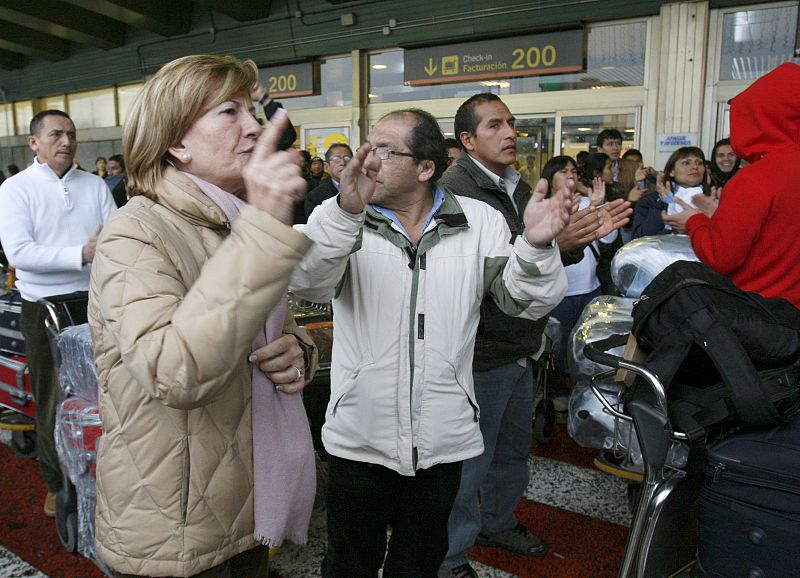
(267, 142)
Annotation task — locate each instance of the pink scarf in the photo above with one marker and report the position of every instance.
(284, 471)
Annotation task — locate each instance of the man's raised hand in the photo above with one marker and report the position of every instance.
(358, 180)
(545, 217)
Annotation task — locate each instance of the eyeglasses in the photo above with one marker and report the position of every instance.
(384, 152)
(339, 159)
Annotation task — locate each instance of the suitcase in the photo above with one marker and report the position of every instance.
(15, 385)
(749, 512)
(11, 340)
(78, 428)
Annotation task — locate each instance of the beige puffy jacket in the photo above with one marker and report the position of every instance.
(176, 299)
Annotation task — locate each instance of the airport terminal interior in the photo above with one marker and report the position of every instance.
(655, 77)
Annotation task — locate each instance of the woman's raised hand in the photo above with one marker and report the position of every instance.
(664, 187)
(273, 178)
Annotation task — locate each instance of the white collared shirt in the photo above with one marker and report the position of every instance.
(508, 182)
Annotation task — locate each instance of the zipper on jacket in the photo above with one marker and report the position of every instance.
(412, 257)
(421, 326)
(67, 198)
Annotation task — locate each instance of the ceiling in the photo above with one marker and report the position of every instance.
(51, 30)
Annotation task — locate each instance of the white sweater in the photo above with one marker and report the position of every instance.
(44, 224)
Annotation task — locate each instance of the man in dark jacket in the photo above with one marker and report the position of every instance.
(336, 160)
(502, 367)
(505, 346)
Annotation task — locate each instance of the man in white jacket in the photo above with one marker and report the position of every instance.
(50, 216)
(407, 266)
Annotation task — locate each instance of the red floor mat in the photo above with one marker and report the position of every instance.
(580, 547)
(25, 530)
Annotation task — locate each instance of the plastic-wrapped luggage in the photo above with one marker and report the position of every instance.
(77, 430)
(603, 316)
(638, 262)
(76, 370)
(587, 423)
(749, 514)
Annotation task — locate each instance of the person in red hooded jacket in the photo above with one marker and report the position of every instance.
(752, 234)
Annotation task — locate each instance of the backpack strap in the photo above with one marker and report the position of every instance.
(737, 371)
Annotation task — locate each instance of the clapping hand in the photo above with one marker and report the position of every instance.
(544, 217)
(707, 204)
(664, 188)
(597, 194)
(678, 220)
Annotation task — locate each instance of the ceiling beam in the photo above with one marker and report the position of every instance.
(167, 18)
(32, 43)
(241, 10)
(11, 60)
(63, 21)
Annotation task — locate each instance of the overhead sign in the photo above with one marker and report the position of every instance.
(548, 53)
(290, 80)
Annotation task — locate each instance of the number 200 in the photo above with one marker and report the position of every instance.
(282, 83)
(534, 57)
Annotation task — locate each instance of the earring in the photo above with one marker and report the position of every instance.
(186, 157)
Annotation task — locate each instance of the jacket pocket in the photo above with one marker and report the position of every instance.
(349, 385)
(476, 410)
(185, 475)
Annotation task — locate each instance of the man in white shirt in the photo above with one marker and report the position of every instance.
(50, 216)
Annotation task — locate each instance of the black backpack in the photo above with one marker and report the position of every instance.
(726, 356)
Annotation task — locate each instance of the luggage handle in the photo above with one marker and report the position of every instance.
(595, 351)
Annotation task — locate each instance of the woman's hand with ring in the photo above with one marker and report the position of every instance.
(283, 362)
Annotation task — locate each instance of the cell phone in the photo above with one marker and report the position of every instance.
(289, 134)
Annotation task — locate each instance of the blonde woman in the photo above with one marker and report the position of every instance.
(206, 455)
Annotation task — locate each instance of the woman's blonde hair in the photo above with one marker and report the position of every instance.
(168, 105)
(627, 173)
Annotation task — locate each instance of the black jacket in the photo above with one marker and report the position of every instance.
(501, 339)
(315, 196)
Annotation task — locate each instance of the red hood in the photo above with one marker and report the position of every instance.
(766, 116)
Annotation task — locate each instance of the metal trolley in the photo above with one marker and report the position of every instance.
(662, 539)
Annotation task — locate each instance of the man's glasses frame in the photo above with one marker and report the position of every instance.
(338, 158)
(384, 153)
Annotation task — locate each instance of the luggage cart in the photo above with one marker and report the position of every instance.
(78, 425)
(663, 537)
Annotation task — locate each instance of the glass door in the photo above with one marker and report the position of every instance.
(535, 146)
(579, 133)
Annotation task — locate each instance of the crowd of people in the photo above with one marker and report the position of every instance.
(442, 262)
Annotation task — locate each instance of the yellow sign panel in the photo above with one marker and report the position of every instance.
(449, 65)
